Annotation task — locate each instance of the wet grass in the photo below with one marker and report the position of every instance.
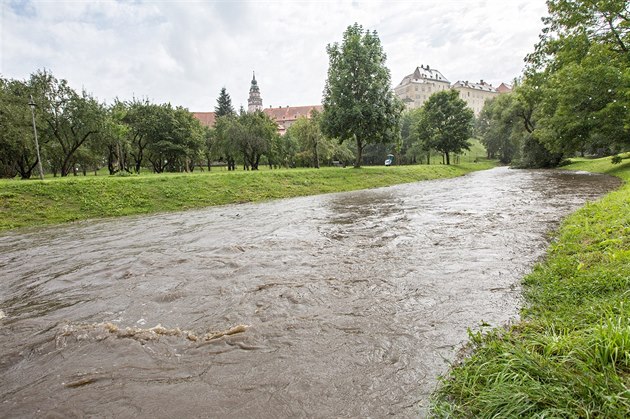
(570, 354)
(60, 200)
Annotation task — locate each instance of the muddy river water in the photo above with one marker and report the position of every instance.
(340, 305)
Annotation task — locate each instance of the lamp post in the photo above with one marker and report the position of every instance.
(39, 160)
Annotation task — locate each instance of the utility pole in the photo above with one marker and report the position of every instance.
(39, 159)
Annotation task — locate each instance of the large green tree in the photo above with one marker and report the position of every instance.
(17, 147)
(500, 128)
(445, 123)
(254, 137)
(581, 70)
(359, 104)
(71, 119)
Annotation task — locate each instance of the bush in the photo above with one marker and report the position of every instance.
(616, 159)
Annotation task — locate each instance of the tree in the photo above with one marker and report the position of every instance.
(17, 148)
(254, 137)
(445, 123)
(175, 139)
(500, 127)
(358, 102)
(71, 118)
(224, 104)
(140, 117)
(581, 70)
(307, 133)
(225, 129)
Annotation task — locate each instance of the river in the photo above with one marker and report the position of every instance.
(338, 305)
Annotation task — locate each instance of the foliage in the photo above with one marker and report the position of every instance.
(71, 119)
(308, 135)
(358, 102)
(581, 71)
(444, 124)
(223, 138)
(500, 128)
(62, 200)
(224, 104)
(17, 147)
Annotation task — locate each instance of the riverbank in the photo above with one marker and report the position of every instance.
(35, 203)
(569, 356)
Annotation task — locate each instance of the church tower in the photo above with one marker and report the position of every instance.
(254, 103)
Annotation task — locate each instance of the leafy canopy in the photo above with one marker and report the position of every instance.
(445, 123)
(358, 102)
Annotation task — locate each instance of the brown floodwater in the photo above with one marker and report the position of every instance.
(339, 305)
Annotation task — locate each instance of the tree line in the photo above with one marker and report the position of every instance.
(574, 96)
(362, 121)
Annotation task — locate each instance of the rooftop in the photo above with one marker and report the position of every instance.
(423, 74)
(482, 85)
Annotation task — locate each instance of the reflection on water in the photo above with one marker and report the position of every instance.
(342, 305)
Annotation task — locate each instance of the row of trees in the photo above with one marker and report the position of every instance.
(574, 97)
(79, 134)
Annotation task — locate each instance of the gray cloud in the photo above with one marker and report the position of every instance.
(183, 52)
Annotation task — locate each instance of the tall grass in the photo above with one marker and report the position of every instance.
(570, 354)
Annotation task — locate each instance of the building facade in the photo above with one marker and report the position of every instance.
(415, 88)
(475, 94)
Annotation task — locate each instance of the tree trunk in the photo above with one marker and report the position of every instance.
(448, 160)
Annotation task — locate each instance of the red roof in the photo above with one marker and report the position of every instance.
(504, 88)
(291, 113)
(206, 118)
(281, 115)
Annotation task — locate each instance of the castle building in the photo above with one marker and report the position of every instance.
(475, 94)
(254, 102)
(416, 87)
(284, 116)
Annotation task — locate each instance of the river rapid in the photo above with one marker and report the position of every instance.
(339, 305)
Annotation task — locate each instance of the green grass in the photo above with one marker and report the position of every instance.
(570, 354)
(36, 203)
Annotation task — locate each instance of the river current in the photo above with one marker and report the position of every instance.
(339, 305)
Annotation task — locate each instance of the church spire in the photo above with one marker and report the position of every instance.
(254, 103)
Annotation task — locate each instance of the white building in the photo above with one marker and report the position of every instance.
(416, 88)
(475, 94)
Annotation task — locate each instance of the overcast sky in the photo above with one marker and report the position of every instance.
(183, 52)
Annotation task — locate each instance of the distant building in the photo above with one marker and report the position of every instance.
(206, 118)
(504, 88)
(475, 94)
(415, 88)
(284, 116)
(254, 102)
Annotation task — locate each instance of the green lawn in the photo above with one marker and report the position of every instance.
(570, 354)
(58, 200)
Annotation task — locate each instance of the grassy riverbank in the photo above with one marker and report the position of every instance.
(53, 201)
(570, 354)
